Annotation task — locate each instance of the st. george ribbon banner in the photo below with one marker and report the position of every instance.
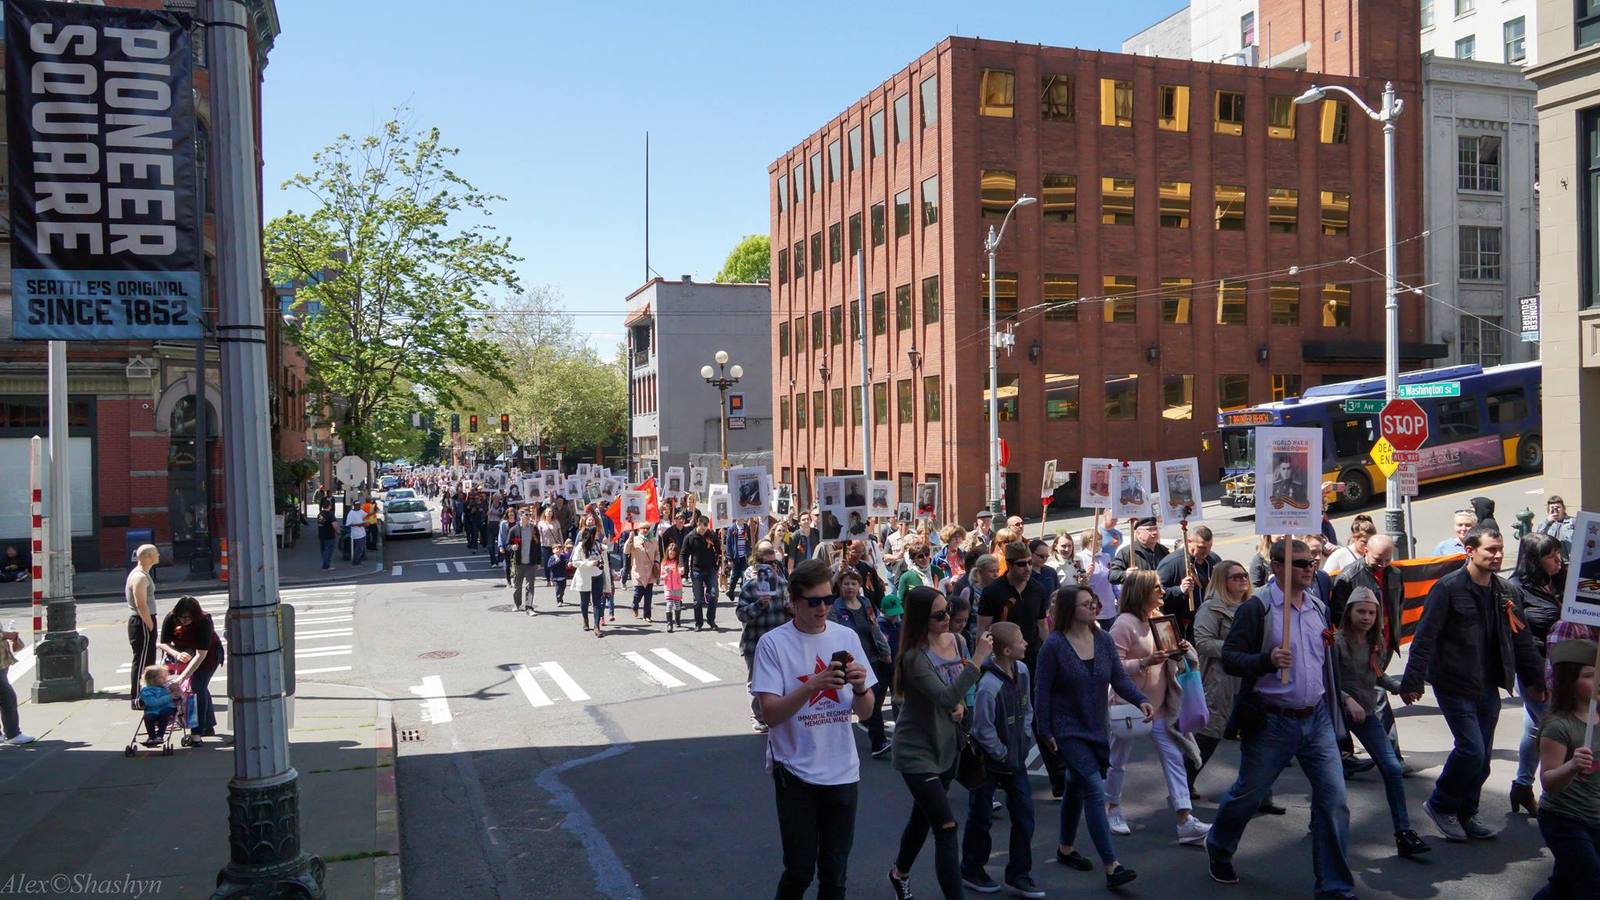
(105, 239)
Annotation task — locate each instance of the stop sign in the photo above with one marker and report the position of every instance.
(1404, 425)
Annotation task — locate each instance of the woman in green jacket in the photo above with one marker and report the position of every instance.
(931, 679)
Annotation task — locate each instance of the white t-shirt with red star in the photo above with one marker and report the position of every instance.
(816, 744)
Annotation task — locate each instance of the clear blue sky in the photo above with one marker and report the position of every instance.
(549, 103)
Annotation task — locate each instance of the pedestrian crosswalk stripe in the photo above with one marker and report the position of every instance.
(693, 670)
(461, 567)
(730, 646)
(325, 633)
(652, 671)
(435, 707)
(323, 621)
(564, 681)
(443, 569)
(397, 570)
(323, 671)
(335, 650)
(535, 694)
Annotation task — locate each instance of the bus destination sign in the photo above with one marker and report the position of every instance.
(1236, 419)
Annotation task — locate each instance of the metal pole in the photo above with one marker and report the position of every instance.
(63, 655)
(1393, 515)
(264, 794)
(866, 372)
(722, 418)
(995, 494)
(200, 556)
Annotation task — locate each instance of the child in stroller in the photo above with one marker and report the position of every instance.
(165, 708)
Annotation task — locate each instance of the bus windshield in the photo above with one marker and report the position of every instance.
(1239, 449)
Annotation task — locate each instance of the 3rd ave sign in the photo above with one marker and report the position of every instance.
(1404, 425)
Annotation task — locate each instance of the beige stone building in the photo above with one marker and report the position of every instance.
(1568, 79)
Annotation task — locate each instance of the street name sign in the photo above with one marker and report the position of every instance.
(1363, 407)
(1430, 391)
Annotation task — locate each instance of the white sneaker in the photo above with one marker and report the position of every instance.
(1193, 831)
(21, 739)
(1118, 824)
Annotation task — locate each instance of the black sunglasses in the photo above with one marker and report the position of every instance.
(815, 602)
(1304, 563)
(939, 616)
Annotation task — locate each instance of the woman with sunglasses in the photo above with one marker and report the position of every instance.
(931, 679)
(1077, 665)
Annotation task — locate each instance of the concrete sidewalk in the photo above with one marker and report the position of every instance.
(157, 825)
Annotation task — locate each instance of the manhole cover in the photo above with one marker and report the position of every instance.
(410, 735)
(504, 607)
(438, 654)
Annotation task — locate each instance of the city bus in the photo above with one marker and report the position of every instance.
(1494, 424)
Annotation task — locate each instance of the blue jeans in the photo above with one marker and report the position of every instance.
(9, 723)
(976, 844)
(705, 594)
(327, 551)
(1085, 799)
(1528, 751)
(358, 550)
(1575, 844)
(1471, 721)
(1375, 738)
(1263, 756)
(643, 593)
(203, 714)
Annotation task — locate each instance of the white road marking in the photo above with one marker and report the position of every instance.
(564, 681)
(535, 694)
(730, 646)
(461, 567)
(326, 633)
(1535, 491)
(323, 621)
(318, 652)
(397, 570)
(443, 569)
(323, 671)
(694, 671)
(652, 671)
(435, 708)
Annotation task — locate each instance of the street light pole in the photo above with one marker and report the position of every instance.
(723, 377)
(990, 245)
(1394, 520)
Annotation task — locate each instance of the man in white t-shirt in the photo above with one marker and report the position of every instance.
(356, 522)
(807, 697)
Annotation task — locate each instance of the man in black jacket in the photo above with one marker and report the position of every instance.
(1185, 592)
(1277, 720)
(1471, 642)
(702, 556)
(1145, 551)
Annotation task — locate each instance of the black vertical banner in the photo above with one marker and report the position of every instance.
(105, 237)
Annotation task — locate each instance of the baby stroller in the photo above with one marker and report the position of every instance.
(162, 735)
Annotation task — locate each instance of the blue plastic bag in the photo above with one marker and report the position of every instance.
(1193, 715)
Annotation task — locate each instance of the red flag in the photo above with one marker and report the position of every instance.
(652, 515)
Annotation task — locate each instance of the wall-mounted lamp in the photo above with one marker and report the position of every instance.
(1035, 350)
(1152, 353)
(1262, 354)
(824, 371)
(915, 356)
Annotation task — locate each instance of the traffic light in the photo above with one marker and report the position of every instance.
(472, 424)
(455, 423)
(505, 424)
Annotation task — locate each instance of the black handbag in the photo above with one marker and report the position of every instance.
(972, 769)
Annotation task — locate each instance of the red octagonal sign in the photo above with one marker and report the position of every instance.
(1404, 425)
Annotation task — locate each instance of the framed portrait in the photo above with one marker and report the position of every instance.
(927, 500)
(1178, 490)
(699, 477)
(1132, 483)
(1095, 487)
(1164, 629)
(906, 511)
(881, 499)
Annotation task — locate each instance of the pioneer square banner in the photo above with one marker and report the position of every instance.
(100, 118)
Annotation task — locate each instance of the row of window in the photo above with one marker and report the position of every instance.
(1061, 395)
(1057, 102)
(928, 213)
(1513, 33)
(929, 116)
(834, 332)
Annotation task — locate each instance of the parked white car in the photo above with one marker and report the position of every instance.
(407, 516)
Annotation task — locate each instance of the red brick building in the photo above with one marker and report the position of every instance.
(1197, 215)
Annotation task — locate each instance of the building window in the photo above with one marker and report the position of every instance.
(798, 179)
(1122, 397)
(1465, 6)
(800, 418)
(1005, 294)
(1335, 212)
(799, 260)
(1285, 386)
(930, 300)
(783, 413)
(902, 214)
(904, 401)
(1233, 392)
(816, 172)
(902, 308)
(783, 192)
(1175, 204)
(875, 122)
(1059, 293)
(902, 119)
(1116, 201)
(1233, 304)
(1177, 295)
(855, 233)
(880, 314)
(1230, 112)
(1336, 306)
(999, 192)
(818, 335)
(1335, 122)
(1116, 103)
(879, 227)
(1427, 14)
(1177, 397)
(1283, 210)
(1230, 207)
(1589, 202)
(930, 201)
(836, 325)
(1060, 198)
(1247, 30)
(855, 404)
(880, 403)
(855, 320)
(930, 101)
(1055, 98)
(836, 401)
(1005, 398)
(819, 408)
(816, 252)
(783, 339)
(1588, 23)
(1061, 398)
(1174, 108)
(1120, 304)
(835, 243)
(1478, 162)
(1285, 302)
(932, 399)
(1280, 117)
(1481, 340)
(1465, 46)
(783, 266)
(833, 161)
(799, 334)
(997, 89)
(1514, 33)
(1480, 253)
(855, 148)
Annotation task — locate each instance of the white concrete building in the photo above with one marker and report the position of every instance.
(1498, 31)
(1211, 31)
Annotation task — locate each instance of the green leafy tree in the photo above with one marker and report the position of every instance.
(397, 253)
(586, 400)
(749, 262)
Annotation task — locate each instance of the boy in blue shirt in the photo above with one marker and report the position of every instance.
(1002, 725)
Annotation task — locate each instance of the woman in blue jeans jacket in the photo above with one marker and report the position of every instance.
(1076, 665)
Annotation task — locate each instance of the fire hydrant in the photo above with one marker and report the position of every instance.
(1524, 525)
